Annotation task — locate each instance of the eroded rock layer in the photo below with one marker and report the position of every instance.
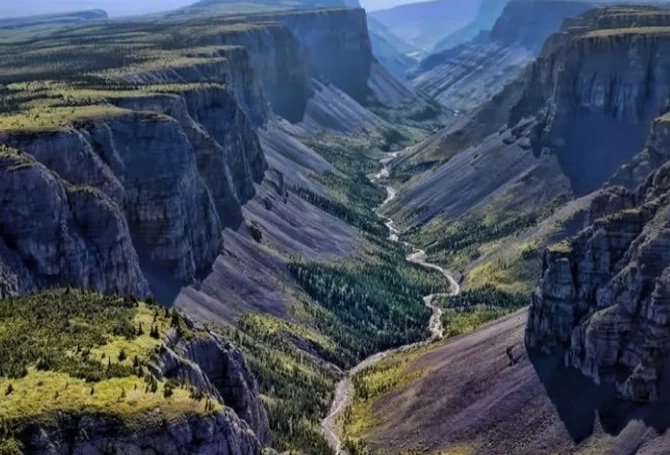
(603, 296)
(596, 89)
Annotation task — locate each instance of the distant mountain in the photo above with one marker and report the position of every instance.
(489, 12)
(279, 4)
(52, 19)
(468, 75)
(392, 52)
(424, 25)
(114, 8)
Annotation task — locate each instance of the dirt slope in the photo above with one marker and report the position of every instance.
(473, 399)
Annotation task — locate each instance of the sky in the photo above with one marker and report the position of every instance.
(11, 8)
(373, 5)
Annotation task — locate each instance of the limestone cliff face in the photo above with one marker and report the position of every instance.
(228, 65)
(595, 92)
(655, 154)
(58, 234)
(337, 46)
(177, 166)
(218, 434)
(604, 297)
(218, 367)
(278, 61)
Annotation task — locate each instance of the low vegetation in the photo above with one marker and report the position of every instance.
(297, 387)
(462, 314)
(72, 351)
(471, 309)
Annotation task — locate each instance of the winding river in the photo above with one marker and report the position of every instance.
(344, 393)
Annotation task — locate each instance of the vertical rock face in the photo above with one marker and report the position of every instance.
(172, 143)
(604, 296)
(595, 91)
(530, 23)
(223, 372)
(279, 64)
(57, 234)
(220, 433)
(231, 66)
(337, 46)
(655, 154)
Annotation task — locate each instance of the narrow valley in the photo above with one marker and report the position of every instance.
(344, 390)
(315, 227)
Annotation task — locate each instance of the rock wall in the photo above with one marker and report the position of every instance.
(56, 234)
(655, 154)
(336, 46)
(595, 92)
(222, 434)
(603, 297)
(177, 166)
(202, 360)
(218, 367)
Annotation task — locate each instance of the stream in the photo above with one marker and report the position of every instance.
(344, 393)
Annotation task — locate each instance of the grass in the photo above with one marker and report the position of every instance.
(563, 247)
(77, 352)
(58, 118)
(370, 385)
(40, 395)
(631, 31)
(513, 271)
(463, 314)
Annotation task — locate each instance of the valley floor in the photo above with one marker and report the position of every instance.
(484, 393)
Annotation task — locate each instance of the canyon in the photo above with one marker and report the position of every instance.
(256, 227)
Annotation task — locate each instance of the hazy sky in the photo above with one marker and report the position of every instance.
(384, 4)
(9, 8)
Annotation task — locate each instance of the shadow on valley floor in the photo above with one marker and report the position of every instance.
(580, 403)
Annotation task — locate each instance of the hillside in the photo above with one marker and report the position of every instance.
(127, 374)
(467, 75)
(423, 24)
(523, 136)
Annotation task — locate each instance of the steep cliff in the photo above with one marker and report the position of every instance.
(335, 45)
(54, 233)
(468, 75)
(595, 91)
(602, 296)
(177, 179)
(656, 153)
(165, 386)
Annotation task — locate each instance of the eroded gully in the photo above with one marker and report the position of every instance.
(344, 393)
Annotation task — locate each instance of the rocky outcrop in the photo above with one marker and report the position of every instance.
(655, 154)
(58, 234)
(221, 433)
(603, 297)
(278, 64)
(466, 76)
(217, 367)
(199, 359)
(595, 91)
(336, 46)
(178, 166)
(226, 65)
